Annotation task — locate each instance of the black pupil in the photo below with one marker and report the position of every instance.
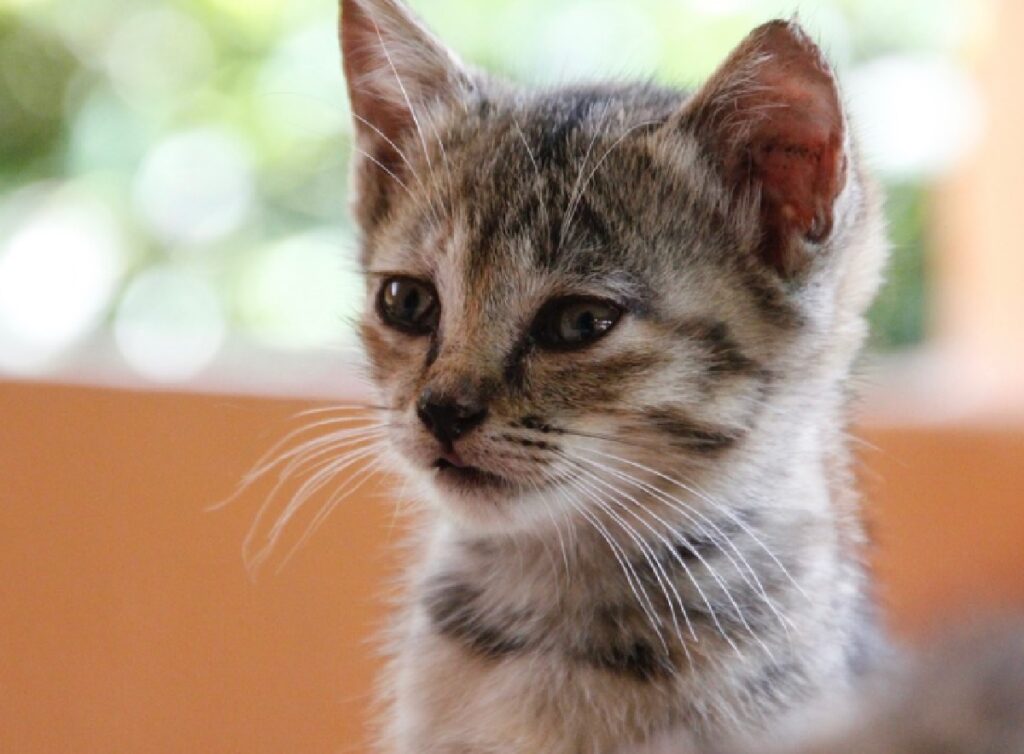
(585, 324)
(408, 305)
(408, 301)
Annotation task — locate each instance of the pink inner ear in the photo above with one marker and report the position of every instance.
(795, 153)
(362, 59)
(772, 116)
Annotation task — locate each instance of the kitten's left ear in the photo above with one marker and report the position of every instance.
(771, 121)
(396, 72)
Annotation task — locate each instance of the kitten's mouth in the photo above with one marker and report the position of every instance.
(452, 471)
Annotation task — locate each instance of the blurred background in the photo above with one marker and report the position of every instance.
(173, 173)
(174, 235)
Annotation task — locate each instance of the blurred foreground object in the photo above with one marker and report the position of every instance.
(963, 696)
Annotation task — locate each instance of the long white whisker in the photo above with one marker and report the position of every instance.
(323, 476)
(632, 580)
(570, 209)
(694, 517)
(542, 205)
(601, 161)
(368, 407)
(722, 509)
(660, 575)
(412, 111)
(405, 94)
(558, 529)
(386, 169)
(354, 483)
(265, 466)
(710, 569)
(392, 144)
(529, 149)
(335, 467)
(669, 545)
(587, 490)
(310, 456)
(271, 459)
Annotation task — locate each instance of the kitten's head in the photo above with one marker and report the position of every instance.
(558, 277)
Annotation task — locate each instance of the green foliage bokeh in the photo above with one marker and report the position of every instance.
(89, 90)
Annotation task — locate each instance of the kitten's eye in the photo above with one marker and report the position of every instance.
(574, 322)
(408, 305)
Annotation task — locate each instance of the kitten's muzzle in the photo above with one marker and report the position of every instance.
(448, 418)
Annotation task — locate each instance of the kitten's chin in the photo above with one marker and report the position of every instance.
(485, 502)
(471, 480)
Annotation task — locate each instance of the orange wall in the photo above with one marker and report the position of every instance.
(127, 622)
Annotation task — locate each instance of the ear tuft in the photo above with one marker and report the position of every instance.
(772, 122)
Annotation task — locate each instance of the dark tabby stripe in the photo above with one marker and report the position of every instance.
(552, 146)
(528, 443)
(688, 434)
(454, 612)
(515, 363)
(637, 660)
(770, 298)
(610, 647)
(726, 356)
(433, 350)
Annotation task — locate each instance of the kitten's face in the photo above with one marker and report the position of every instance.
(620, 321)
(564, 282)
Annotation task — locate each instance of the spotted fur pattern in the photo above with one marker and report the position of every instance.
(667, 537)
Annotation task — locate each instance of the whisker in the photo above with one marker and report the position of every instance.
(554, 523)
(695, 517)
(386, 169)
(600, 162)
(660, 575)
(570, 209)
(632, 580)
(704, 598)
(412, 110)
(327, 471)
(391, 144)
(308, 487)
(716, 577)
(719, 507)
(264, 464)
(337, 435)
(536, 170)
(311, 453)
(354, 484)
(342, 407)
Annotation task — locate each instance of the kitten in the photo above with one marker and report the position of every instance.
(612, 327)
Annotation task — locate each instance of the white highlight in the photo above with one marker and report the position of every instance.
(156, 56)
(195, 187)
(918, 115)
(58, 271)
(300, 294)
(169, 324)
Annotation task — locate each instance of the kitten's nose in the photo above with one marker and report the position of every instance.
(448, 418)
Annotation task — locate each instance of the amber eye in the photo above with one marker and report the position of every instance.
(408, 304)
(574, 322)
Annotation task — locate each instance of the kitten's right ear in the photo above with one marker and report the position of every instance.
(396, 72)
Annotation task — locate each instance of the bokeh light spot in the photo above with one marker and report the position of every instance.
(917, 114)
(195, 187)
(58, 270)
(169, 324)
(301, 293)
